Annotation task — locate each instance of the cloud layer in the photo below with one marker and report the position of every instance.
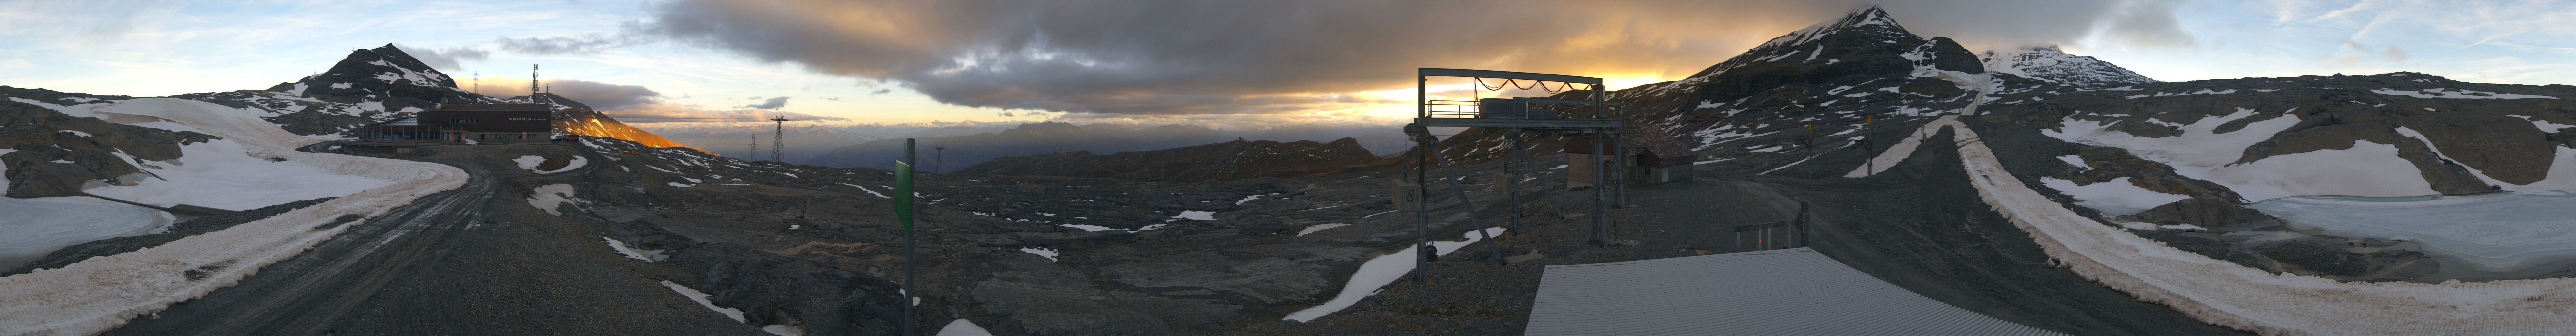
(447, 59)
(768, 104)
(1099, 58)
(637, 104)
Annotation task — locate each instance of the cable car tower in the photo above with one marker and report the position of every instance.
(1517, 118)
(778, 140)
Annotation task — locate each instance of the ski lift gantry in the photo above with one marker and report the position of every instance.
(1595, 117)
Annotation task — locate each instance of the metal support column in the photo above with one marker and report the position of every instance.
(1600, 194)
(1619, 182)
(1511, 186)
(1803, 224)
(906, 213)
(1422, 250)
(1544, 192)
(1457, 186)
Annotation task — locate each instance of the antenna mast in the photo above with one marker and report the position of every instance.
(532, 80)
(778, 140)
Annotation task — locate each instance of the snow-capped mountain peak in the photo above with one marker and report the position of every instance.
(2047, 63)
(1866, 32)
(375, 74)
(1865, 16)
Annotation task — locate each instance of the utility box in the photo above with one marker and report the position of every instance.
(1407, 195)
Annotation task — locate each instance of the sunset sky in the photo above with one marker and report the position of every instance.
(1240, 63)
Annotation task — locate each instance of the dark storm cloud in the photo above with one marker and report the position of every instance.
(582, 45)
(667, 112)
(603, 96)
(445, 59)
(641, 104)
(771, 104)
(1241, 56)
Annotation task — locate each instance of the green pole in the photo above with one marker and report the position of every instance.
(903, 213)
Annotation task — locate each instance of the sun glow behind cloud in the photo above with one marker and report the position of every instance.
(1218, 63)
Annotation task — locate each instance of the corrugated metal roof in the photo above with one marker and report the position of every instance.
(1777, 292)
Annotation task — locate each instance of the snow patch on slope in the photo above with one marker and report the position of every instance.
(1319, 227)
(2200, 152)
(2367, 169)
(1896, 154)
(961, 327)
(630, 252)
(550, 196)
(530, 162)
(1049, 253)
(2456, 94)
(2113, 198)
(1380, 271)
(222, 174)
(703, 301)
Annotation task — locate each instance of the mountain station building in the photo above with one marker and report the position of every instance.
(461, 122)
(1648, 160)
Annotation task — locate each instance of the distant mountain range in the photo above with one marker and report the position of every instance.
(1225, 161)
(1055, 137)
